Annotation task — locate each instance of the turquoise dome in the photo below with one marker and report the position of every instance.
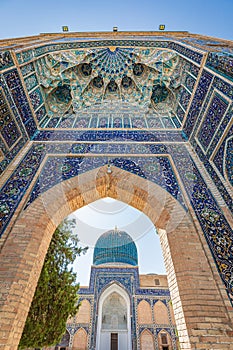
(115, 246)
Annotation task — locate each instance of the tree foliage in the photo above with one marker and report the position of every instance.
(56, 295)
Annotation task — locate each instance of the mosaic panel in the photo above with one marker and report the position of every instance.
(27, 69)
(36, 98)
(6, 60)
(221, 128)
(14, 189)
(223, 158)
(227, 90)
(223, 86)
(190, 82)
(184, 97)
(211, 120)
(221, 63)
(8, 127)
(20, 100)
(40, 113)
(31, 82)
(216, 229)
(14, 121)
(156, 169)
(198, 99)
(215, 177)
(26, 56)
(180, 113)
(114, 135)
(97, 120)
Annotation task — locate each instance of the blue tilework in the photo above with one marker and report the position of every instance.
(221, 63)
(27, 69)
(26, 56)
(36, 98)
(31, 82)
(215, 177)
(6, 60)
(128, 279)
(14, 189)
(209, 91)
(155, 169)
(20, 99)
(117, 135)
(197, 102)
(8, 126)
(223, 157)
(216, 229)
(223, 86)
(221, 128)
(10, 120)
(211, 120)
(115, 246)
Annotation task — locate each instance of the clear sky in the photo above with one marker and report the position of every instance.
(28, 17)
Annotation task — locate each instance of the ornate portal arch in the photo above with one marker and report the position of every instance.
(145, 118)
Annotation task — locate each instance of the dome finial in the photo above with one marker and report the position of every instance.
(115, 227)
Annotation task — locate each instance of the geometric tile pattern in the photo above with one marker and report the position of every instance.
(153, 168)
(224, 157)
(211, 120)
(8, 126)
(201, 114)
(197, 101)
(221, 63)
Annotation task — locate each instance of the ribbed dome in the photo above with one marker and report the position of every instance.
(115, 247)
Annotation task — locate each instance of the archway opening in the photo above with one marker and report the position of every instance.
(178, 233)
(106, 214)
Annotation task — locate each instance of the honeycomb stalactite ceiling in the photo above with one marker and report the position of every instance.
(71, 81)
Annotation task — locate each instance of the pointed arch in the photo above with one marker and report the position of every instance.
(118, 318)
(84, 312)
(144, 312)
(147, 340)
(32, 229)
(164, 340)
(80, 340)
(161, 313)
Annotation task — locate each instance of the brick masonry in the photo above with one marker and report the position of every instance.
(199, 307)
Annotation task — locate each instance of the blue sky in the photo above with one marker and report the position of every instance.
(25, 18)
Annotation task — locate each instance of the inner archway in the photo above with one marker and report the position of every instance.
(187, 273)
(106, 214)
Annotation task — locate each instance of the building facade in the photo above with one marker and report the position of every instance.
(142, 117)
(121, 309)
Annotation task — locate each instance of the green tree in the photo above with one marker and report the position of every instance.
(56, 295)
